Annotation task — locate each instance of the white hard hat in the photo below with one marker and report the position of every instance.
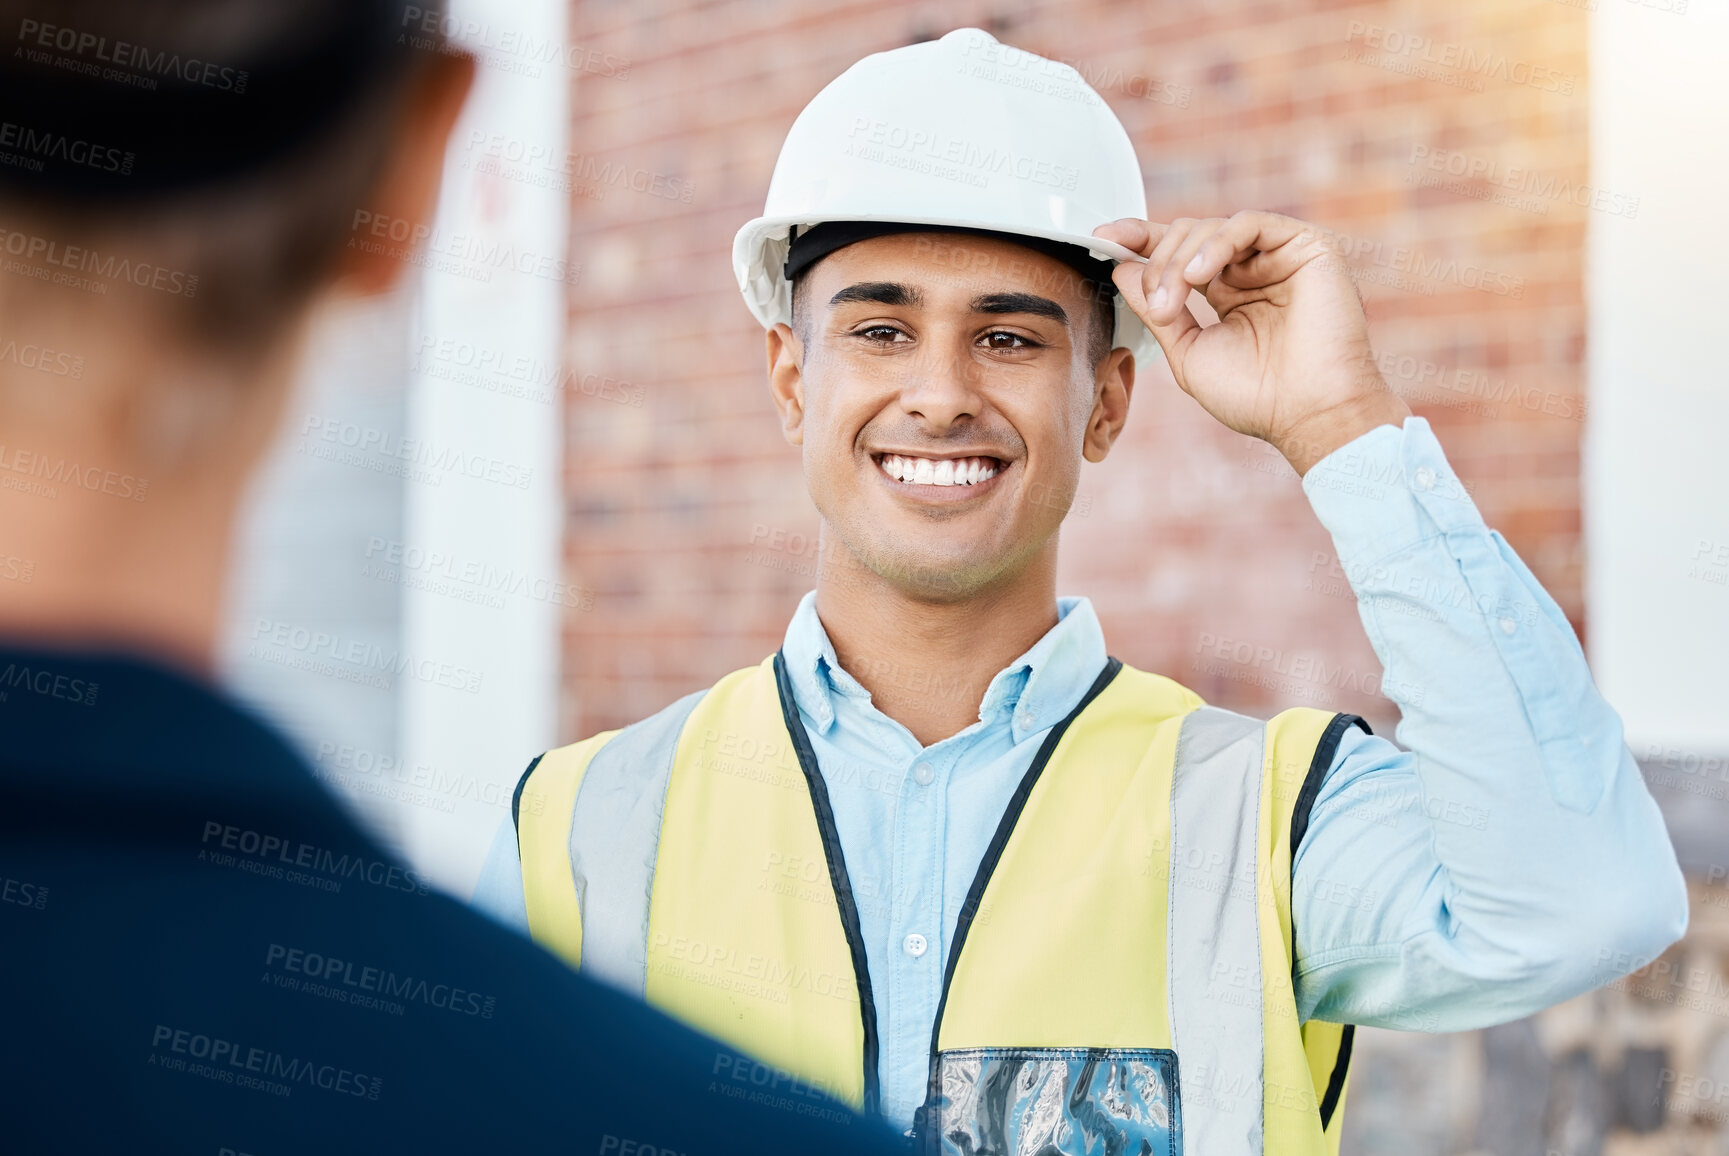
(961, 132)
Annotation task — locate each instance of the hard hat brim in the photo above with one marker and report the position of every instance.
(759, 252)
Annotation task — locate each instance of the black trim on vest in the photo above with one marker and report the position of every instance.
(1311, 789)
(1318, 768)
(838, 879)
(988, 866)
(1336, 1083)
(516, 804)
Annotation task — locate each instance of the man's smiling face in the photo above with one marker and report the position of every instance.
(944, 389)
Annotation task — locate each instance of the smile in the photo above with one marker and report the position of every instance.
(938, 471)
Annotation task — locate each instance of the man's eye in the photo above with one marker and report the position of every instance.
(999, 339)
(881, 334)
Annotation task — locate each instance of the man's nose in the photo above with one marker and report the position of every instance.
(941, 388)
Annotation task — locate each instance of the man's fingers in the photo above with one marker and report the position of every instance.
(1258, 270)
(1173, 332)
(1238, 236)
(1128, 276)
(1131, 233)
(1189, 263)
(1175, 339)
(1161, 278)
(1247, 251)
(1262, 248)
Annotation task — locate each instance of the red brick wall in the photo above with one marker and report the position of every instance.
(676, 472)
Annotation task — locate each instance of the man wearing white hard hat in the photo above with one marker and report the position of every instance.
(943, 857)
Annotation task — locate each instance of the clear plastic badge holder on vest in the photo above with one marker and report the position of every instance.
(1076, 1101)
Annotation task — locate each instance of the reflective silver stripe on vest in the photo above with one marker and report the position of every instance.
(614, 840)
(1214, 942)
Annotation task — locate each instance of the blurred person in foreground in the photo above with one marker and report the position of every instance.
(201, 951)
(1081, 909)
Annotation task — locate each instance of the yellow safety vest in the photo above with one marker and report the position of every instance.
(1121, 968)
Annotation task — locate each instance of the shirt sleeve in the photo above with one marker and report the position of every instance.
(1509, 855)
(499, 892)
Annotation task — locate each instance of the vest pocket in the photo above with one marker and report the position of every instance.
(1053, 1101)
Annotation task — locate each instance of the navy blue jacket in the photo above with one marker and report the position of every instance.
(200, 952)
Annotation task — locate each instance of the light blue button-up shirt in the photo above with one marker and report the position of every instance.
(1505, 855)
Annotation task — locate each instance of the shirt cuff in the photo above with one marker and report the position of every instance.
(1386, 490)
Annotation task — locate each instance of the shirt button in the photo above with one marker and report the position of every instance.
(1425, 478)
(922, 774)
(1024, 719)
(914, 944)
(1508, 625)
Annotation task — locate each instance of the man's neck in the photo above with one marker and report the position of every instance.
(928, 664)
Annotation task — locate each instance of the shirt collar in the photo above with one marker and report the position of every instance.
(1035, 691)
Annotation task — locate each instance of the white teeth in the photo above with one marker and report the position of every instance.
(937, 471)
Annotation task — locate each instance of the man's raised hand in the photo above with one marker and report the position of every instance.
(1289, 359)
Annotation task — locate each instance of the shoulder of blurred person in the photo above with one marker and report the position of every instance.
(204, 952)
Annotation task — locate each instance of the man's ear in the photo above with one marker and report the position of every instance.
(786, 381)
(1113, 383)
(407, 190)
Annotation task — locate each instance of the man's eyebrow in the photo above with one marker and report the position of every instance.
(881, 292)
(1020, 303)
